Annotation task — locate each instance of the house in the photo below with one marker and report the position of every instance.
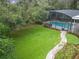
(67, 19)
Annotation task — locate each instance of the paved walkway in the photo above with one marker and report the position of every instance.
(52, 53)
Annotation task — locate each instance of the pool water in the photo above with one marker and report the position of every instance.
(60, 25)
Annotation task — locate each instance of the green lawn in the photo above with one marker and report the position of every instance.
(72, 39)
(35, 42)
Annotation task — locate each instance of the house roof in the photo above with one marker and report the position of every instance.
(71, 13)
(76, 17)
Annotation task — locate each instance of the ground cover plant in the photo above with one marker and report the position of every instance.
(69, 51)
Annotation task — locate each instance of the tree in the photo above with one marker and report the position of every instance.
(36, 14)
(74, 4)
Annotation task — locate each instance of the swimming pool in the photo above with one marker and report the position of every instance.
(60, 25)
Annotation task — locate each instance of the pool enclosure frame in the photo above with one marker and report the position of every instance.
(71, 16)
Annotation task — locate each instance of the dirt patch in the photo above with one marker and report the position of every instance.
(77, 46)
(77, 56)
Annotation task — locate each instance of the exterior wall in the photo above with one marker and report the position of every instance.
(76, 29)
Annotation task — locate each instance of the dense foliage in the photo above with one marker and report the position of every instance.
(6, 47)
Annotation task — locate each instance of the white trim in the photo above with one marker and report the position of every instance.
(76, 17)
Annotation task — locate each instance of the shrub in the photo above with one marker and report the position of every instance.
(38, 22)
(6, 46)
(4, 29)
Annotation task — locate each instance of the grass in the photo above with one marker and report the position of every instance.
(72, 39)
(35, 42)
(68, 52)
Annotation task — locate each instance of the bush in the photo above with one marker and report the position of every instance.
(4, 29)
(6, 46)
(38, 22)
